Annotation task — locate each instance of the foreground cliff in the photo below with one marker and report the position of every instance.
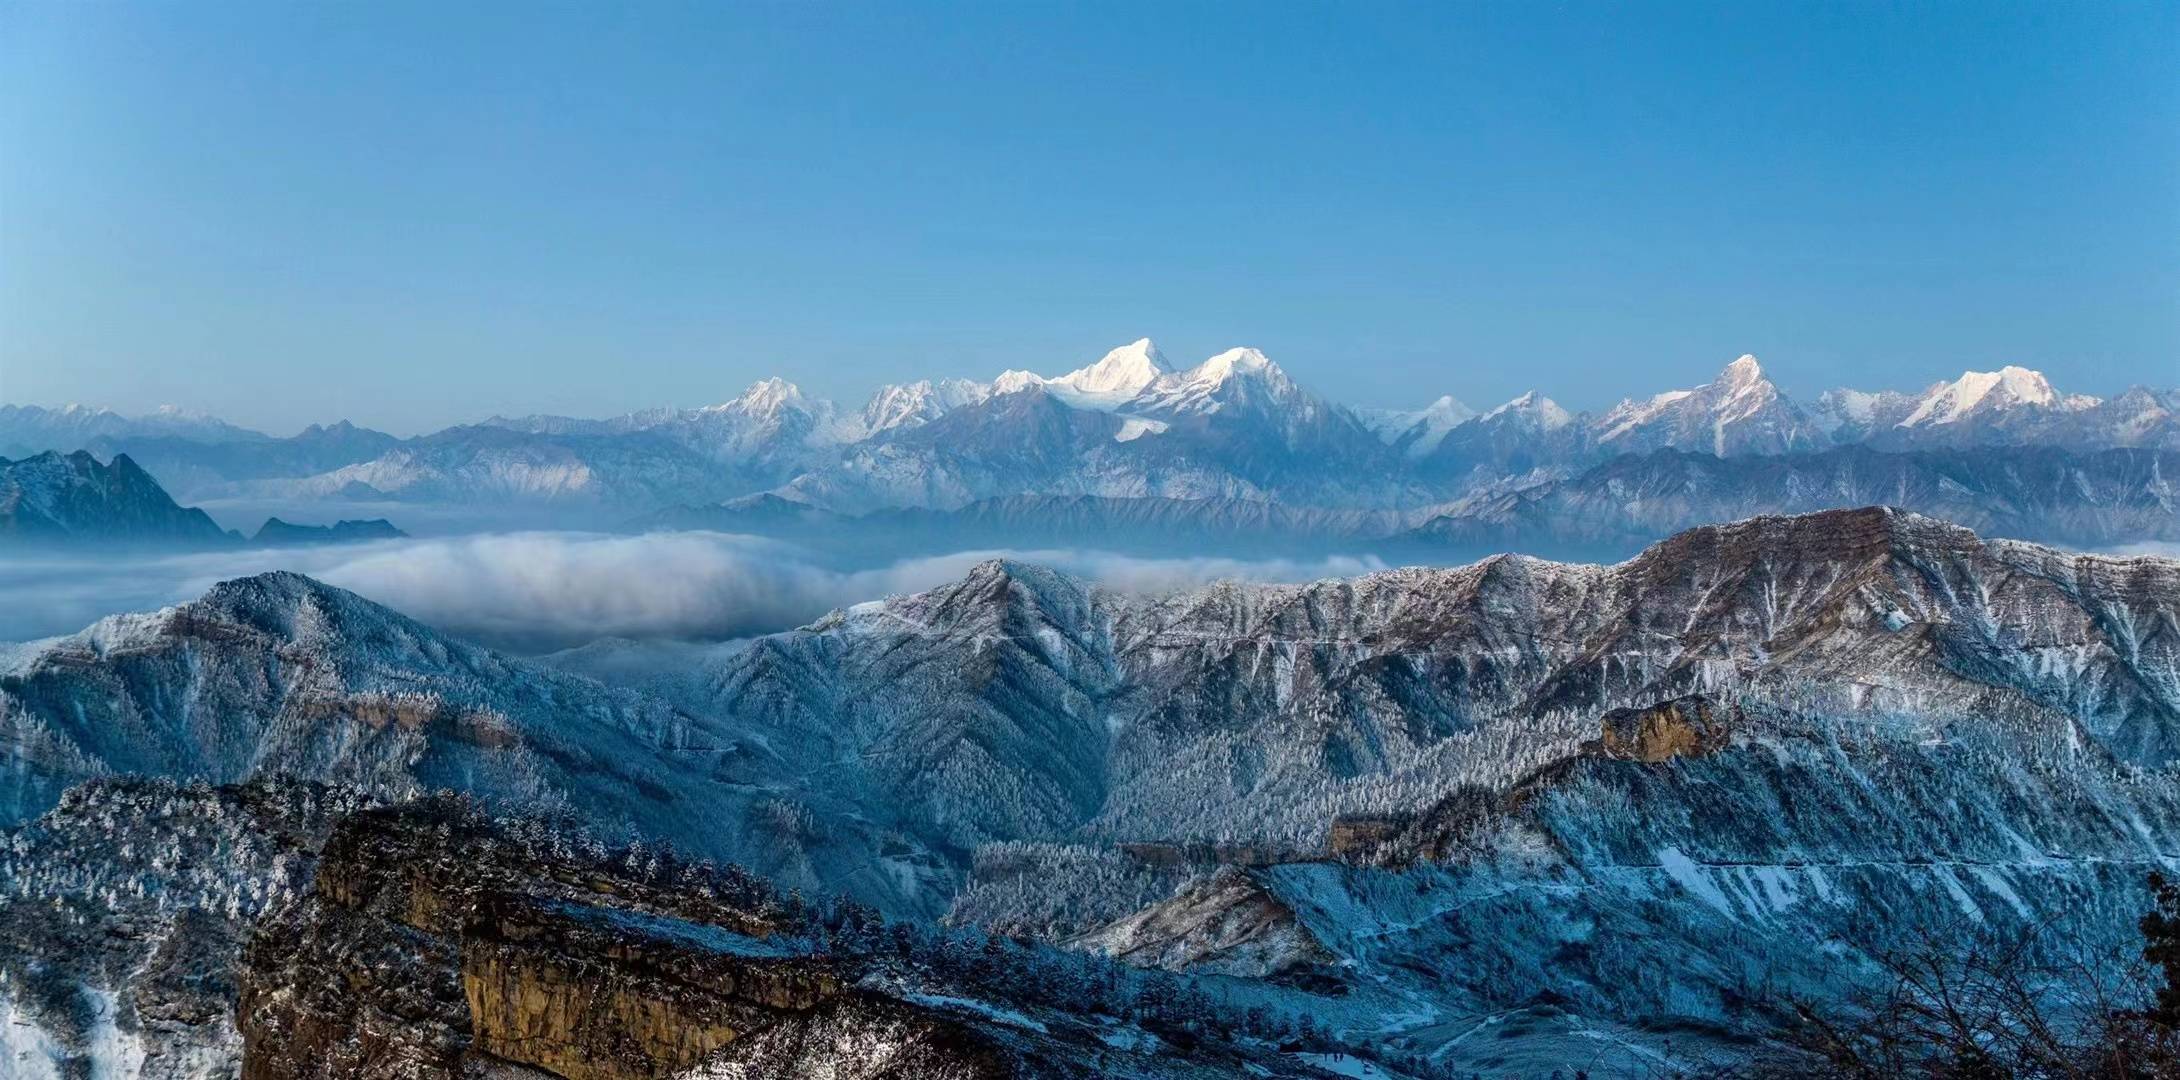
(124, 911)
(439, 943)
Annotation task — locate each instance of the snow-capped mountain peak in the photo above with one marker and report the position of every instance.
(766, 397)
(1127, 370)
(1239, 374)
(1232, 364)
(1534, 410)
(1739, 411)
(1988, 391)
(1226, 363)
(1418, 431)
(919, 402)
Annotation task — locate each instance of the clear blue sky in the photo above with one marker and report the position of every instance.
(416, 214)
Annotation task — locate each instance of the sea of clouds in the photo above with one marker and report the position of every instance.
(539, 591)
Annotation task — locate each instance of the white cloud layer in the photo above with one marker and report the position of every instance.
(541, 590)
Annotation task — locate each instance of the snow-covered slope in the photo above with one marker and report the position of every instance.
(1417, 432)
(916, 403)
(1117, 377)
(1679, 903)
(1740, 412)
(1233, 427)
(281, 676)
(1903, 723)
(1021, 703)
(1982, 393)
(124, 911)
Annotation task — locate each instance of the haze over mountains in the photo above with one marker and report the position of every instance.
(1136, 453)
(1130, 424)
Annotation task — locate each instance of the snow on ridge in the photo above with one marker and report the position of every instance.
(1129, 370)
(1535, 406)
(1989, 391)
(1428, 425)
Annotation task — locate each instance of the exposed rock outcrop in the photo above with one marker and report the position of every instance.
(1225, 923)
(437, 944)
(1690, 726)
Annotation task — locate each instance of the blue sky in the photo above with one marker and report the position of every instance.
(410, 215)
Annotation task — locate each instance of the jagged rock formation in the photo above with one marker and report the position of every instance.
(1740, 412)
(431, 946)
(1680, 901)
(54, 499)
(1225, 923)
(878, 748)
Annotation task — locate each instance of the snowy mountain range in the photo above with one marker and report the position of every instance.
(1130, 424)
(2097, 499)
(1403, 802)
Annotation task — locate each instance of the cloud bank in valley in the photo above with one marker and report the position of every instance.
(545, 590)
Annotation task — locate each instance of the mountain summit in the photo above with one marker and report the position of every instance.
(1739, 412)
(1978, 392)
(1125, 371)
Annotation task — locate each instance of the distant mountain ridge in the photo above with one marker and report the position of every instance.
(73, 501)
(53, 498)
(276, 531)
(2094, 499)
(1130, 424)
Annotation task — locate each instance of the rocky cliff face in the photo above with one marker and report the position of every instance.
(1685, 727)
(434, 941)
(438, 943)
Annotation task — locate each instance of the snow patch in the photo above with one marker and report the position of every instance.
(1689, 875)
